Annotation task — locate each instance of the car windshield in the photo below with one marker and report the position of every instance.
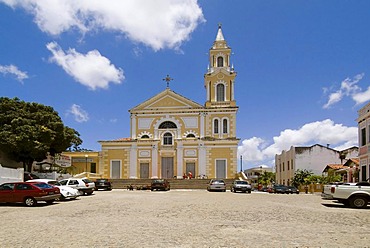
(63, 182)
(43, 186)
(217, 181)
(56, 183)
(241, 182)
(158, 181)
(86, 181)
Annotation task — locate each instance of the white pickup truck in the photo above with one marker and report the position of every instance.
(354, 195)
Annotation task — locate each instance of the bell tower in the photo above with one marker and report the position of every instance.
(220, 77)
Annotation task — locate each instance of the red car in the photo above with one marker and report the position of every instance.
(28, 193)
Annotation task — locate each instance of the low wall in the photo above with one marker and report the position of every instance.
(11, 175)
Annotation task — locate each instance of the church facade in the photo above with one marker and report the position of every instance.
(172, 135)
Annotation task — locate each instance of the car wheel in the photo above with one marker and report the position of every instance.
(358, 202)
(30, 202)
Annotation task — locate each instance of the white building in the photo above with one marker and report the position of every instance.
(313, 158)
(364, 142)
(254, 173)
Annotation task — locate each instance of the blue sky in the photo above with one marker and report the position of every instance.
(303, 66)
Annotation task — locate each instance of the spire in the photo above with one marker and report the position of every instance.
(220, 36)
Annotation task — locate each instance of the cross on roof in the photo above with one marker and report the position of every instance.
(168, 79)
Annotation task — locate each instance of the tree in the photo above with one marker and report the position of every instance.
(301, 177)
(29, 131)
(267, 178)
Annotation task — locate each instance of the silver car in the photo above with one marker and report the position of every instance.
(242, 186)
(216, 185)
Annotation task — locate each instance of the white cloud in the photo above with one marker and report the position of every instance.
(12, 69)
(348, 88)
(92, 69)
(158, 24)
(257, 151)
(79, 114)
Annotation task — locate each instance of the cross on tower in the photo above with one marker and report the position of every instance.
(168, 79)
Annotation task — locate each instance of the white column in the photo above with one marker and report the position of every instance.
(180, 155)
(133, 162)
(154, 161)
(133, 126)
(202, 160)
(202, 124)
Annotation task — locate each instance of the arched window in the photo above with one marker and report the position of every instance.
(190, 135)
(220, 91)
(145, 136)
(220, 61)
(167, 124)
(215, 126)
(224, 126)
(167, 139)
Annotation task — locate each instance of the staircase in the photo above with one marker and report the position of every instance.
(175, 183)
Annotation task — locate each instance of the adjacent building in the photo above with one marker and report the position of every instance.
(172, 135)
(364, 142)
(313, 158)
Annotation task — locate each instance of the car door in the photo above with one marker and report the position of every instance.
(21, 190)
(73, 183)
(6, 192)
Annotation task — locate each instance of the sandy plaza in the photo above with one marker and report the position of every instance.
(185, 218)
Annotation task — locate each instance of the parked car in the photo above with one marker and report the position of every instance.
(291, 190)
(103, 183)
(28, 193)
(29, 176)
(216, 185)
(160, 184)
(278, 189)
(65, 191)
(84, 185)
(240, 185)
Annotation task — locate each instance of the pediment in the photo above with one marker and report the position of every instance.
(167, 99)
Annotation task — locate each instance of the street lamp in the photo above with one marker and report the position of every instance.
(86, 156)
(241, 163)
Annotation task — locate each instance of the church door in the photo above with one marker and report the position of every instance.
(190, 167)
(167, 167)
(220, 168)
(144, 170)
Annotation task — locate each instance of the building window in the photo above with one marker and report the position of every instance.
(224, 126)
(220, 62)
(167, 124)
(215, 126)
(93, 167)
(283, 167)
(363, 137)
(190, 135)
(167, 139)
(288, 166)
(220, 92)
(145, 136)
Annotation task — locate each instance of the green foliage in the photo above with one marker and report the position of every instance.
(28, 131)
(266, 178)
(301, 177)
(331, 177)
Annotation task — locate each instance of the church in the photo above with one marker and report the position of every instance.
(172, 135)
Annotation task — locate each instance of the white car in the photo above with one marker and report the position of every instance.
(84, 185)
(65, 191)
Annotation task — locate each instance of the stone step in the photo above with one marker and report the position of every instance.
(175, 183)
